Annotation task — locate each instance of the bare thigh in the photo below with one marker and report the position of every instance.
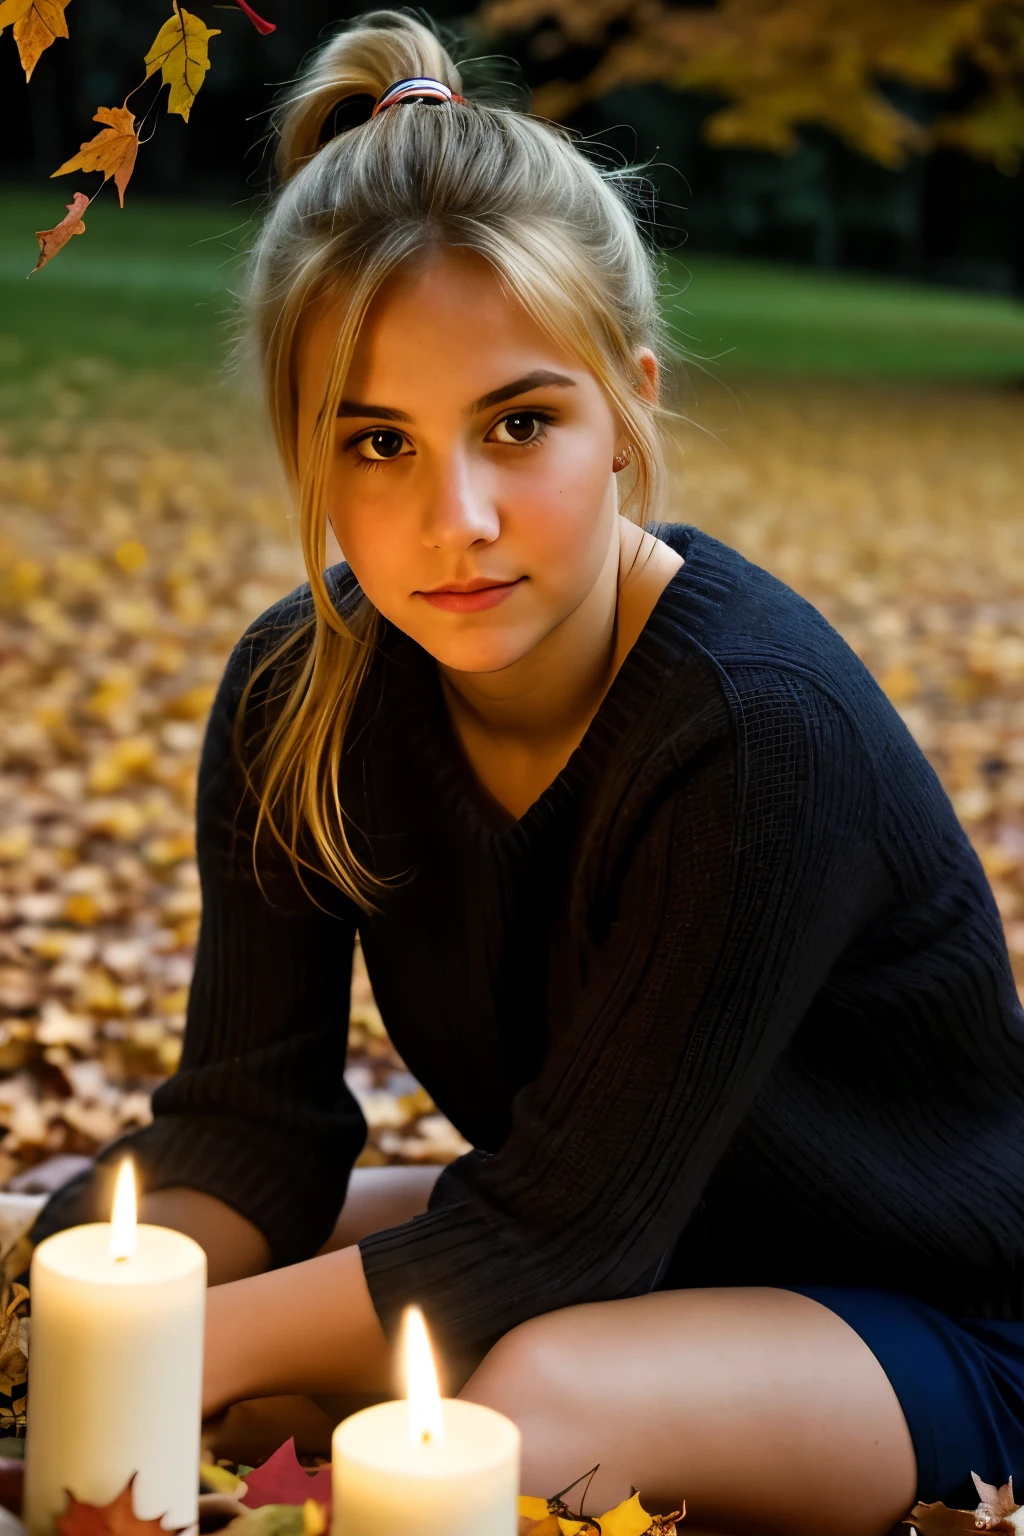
(761, 1408)
(378, 1198)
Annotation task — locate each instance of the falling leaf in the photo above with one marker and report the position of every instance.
(118, 1518)
(283, 1480)
(53, 240)
(112, 151)
(36, 24)
(181, 52)
(257, 21)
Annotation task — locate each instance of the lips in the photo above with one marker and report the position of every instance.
(471, 596)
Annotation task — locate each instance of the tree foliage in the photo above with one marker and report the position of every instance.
(783, 64)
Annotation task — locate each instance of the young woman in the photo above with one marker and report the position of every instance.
(658, 897)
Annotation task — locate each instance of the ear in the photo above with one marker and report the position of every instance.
(648, 374)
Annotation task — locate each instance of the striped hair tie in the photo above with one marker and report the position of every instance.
(419, 88)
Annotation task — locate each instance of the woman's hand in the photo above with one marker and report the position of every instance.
(310, 1327)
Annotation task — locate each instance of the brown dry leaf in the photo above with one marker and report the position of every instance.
(938, 1520)
(53, 240)
(898, 512)
(112, 151)
(180, 51)
(995, 1503)
(36, 24)
(118, 1518)
(13, 1336)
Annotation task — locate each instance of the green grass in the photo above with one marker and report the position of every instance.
(148, 287)
(759, 318)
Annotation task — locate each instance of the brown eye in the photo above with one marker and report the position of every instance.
(382, 444)
(522, 427)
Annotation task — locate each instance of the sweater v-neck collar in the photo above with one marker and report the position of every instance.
(430, 735)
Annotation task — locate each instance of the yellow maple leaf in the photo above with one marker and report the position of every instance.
(36, 23)
(112, 151)
(627, 1519)
(181, 51)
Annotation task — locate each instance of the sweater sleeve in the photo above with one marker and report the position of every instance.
(741, 864)
(258, 1113)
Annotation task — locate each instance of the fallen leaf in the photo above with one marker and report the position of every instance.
(995, 1503)
(938, 1520)
(546, 1526)
(217, 1479)
(13, 1337)
(180, 51)
(118, 1518)
(627, 1519)
(283, 1480)
(36, 24)
(53, 240)
(112, 151)
(550, 1517)
(270, 1520)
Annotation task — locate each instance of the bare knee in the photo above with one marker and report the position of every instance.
(526, 1373)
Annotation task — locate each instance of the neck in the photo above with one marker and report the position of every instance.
(552, 692)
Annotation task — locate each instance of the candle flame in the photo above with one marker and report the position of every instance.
(123, 1215)
(426, 1421)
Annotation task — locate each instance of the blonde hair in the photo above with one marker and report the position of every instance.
(349, 212)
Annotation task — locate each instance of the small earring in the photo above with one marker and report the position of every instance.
(622, 459)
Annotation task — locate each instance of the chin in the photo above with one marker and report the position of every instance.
(476, 653)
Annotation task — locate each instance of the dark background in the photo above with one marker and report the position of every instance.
(944, 218)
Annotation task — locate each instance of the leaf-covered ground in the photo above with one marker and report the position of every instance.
(136, 545)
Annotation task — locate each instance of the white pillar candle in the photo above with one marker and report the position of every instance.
(425, 1465)
(115, 1368)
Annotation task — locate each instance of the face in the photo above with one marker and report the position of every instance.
(471, 485)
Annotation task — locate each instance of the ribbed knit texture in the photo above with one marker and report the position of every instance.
(729, 1005)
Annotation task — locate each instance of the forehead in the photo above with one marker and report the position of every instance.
(449, 319)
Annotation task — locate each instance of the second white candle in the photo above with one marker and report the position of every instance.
(436, 1467)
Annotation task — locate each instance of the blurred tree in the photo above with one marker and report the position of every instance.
(781, 65)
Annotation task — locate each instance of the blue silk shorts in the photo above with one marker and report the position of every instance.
(959, 1381)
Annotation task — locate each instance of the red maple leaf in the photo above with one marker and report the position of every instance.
(118, 1518)
(257, 21)
(280, 1480)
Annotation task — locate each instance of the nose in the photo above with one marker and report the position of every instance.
(459, 509)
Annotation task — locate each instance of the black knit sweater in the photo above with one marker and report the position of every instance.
(729, 1005)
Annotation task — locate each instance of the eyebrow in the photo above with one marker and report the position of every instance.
(538, 379)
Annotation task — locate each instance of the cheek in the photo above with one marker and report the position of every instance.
(376, 550)
(557, 510)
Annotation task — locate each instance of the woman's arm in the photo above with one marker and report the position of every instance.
(308, 1328)
(253, 1138)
